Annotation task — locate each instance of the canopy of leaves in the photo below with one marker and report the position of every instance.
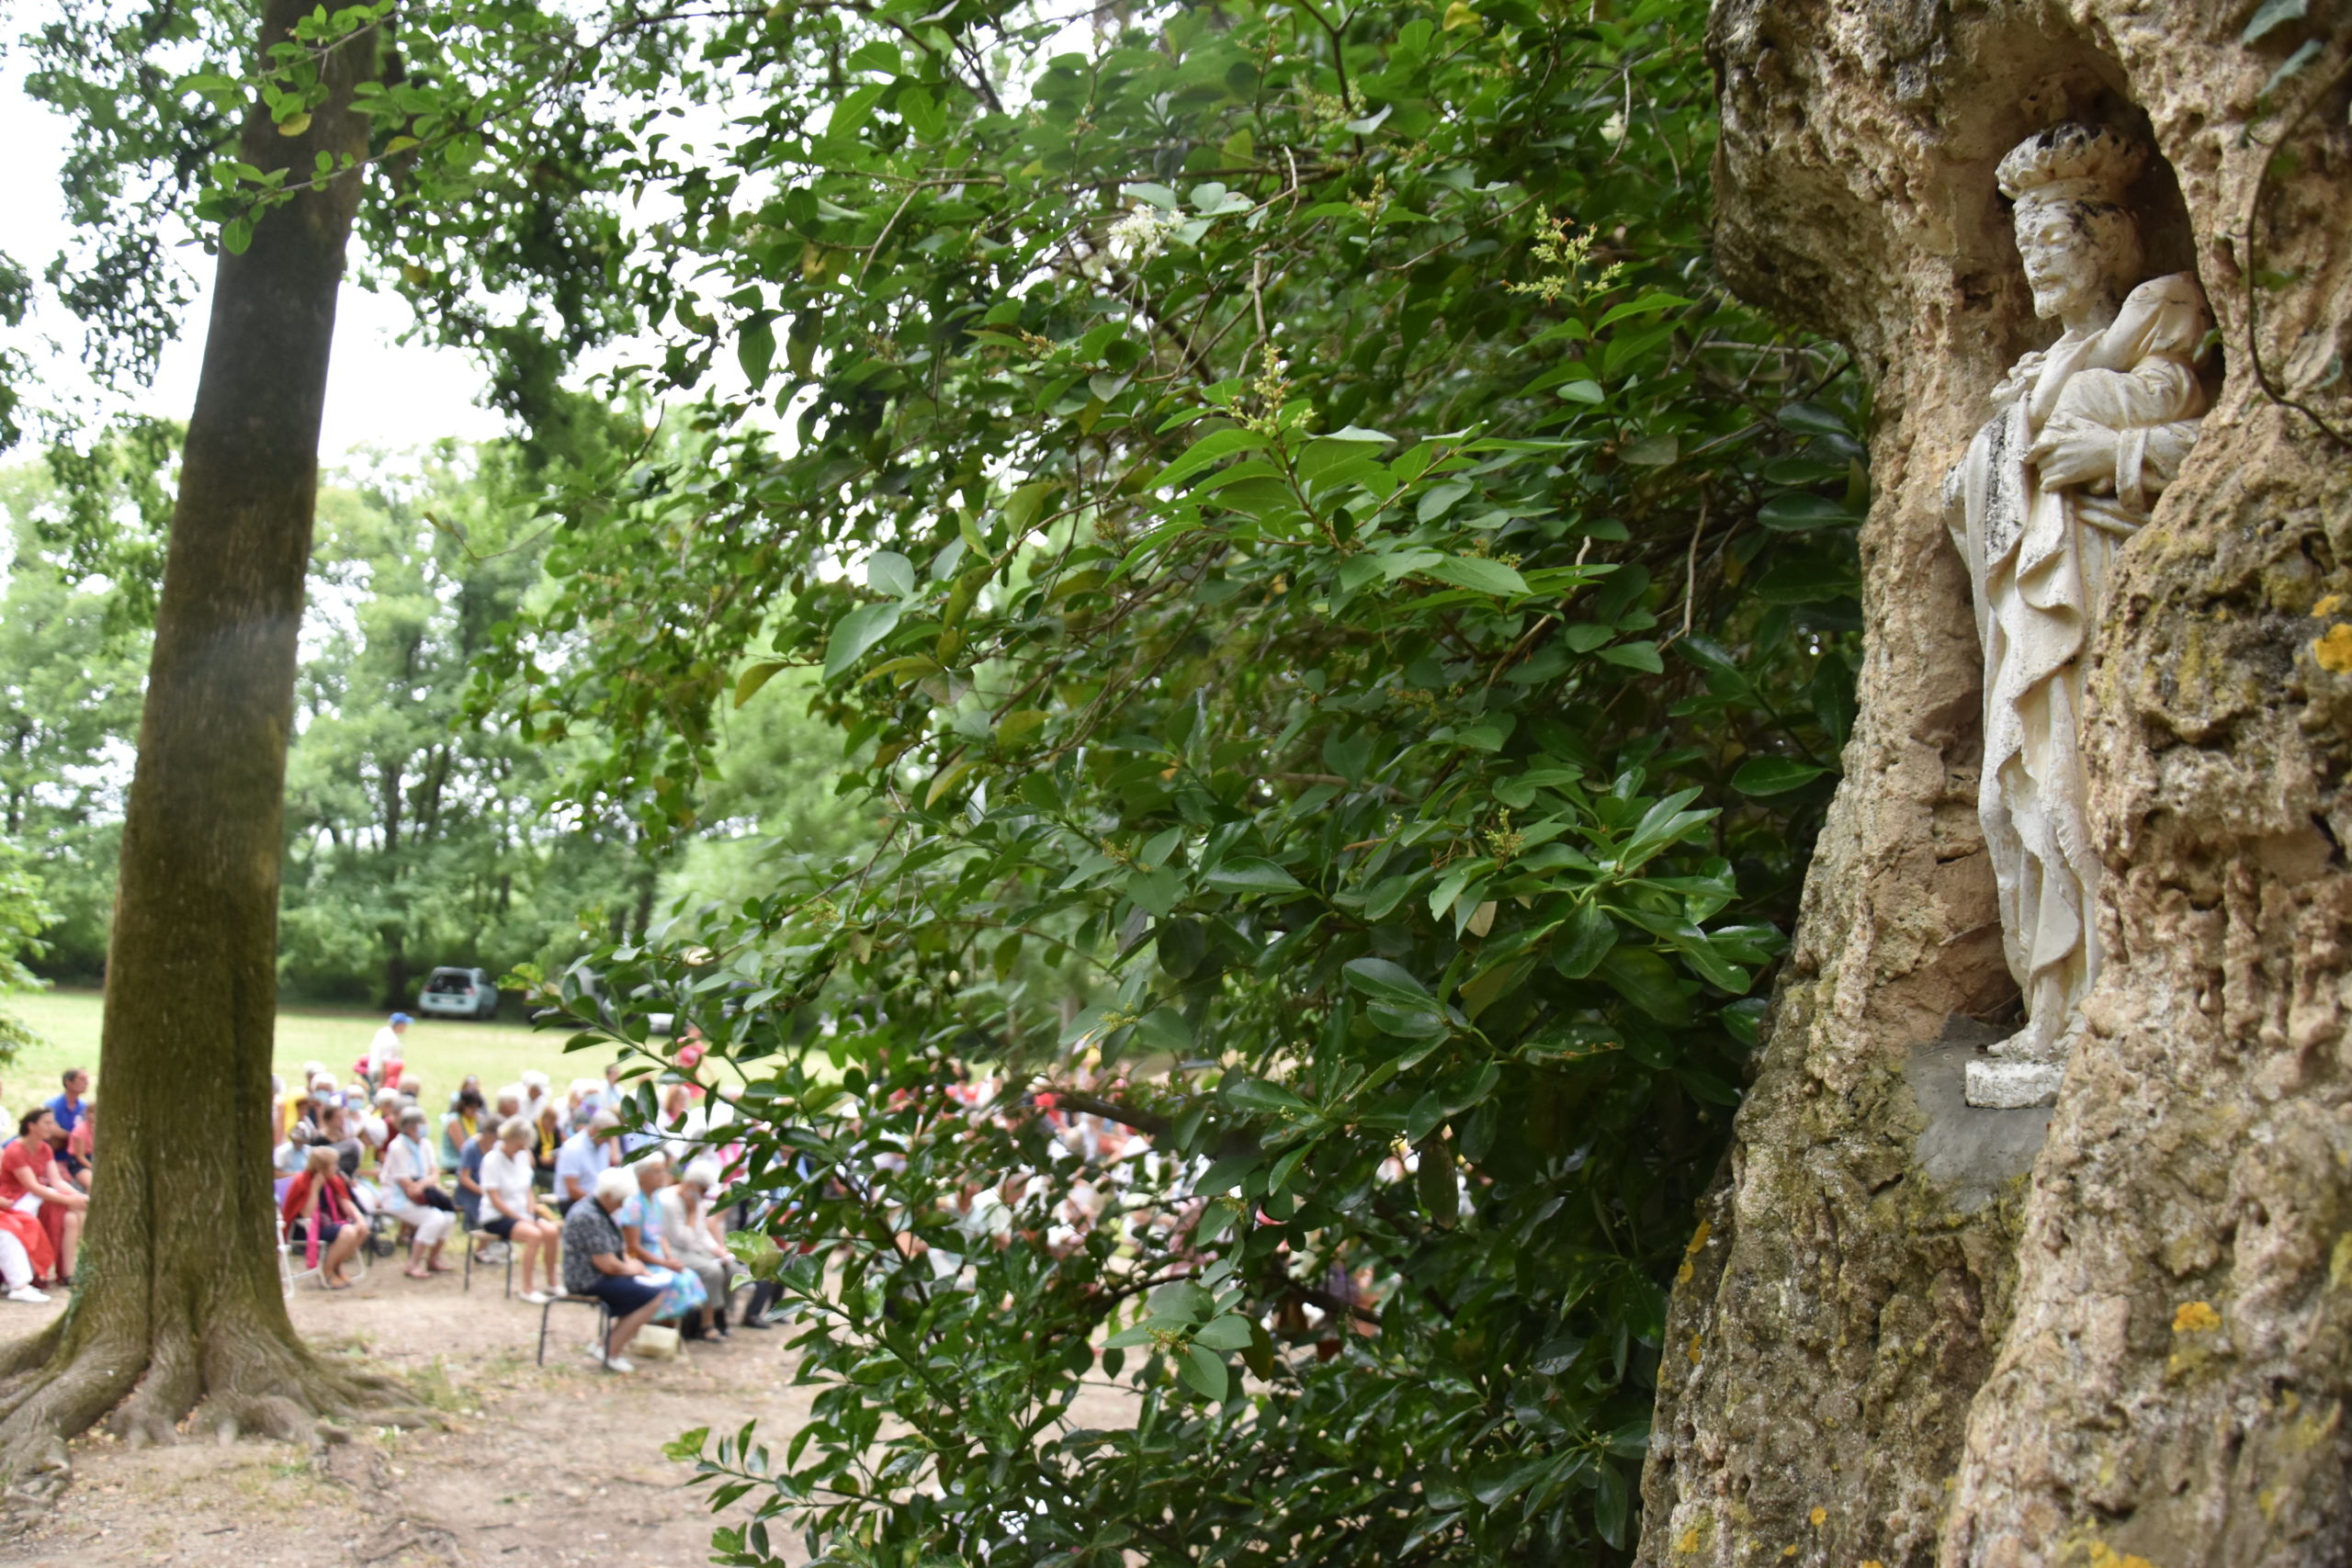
(1347, 624)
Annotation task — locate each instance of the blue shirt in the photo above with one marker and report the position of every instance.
(67, 1110)
(470, 1163)
(583, 1157)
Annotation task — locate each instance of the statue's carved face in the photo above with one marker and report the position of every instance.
(2070, 254)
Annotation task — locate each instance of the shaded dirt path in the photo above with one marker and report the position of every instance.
(545, 1466)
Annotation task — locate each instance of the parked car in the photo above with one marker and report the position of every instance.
(458, 993)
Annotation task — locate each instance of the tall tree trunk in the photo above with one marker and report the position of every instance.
(390, 792)
(2115, 1332)
(178, 1306)
(395, 941)
(395, 969)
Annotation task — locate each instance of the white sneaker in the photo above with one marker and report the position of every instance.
(536, 1298)
(495, 1253)
(619, 1364)
(29, 1296)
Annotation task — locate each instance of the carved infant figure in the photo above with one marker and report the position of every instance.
(2083, 436)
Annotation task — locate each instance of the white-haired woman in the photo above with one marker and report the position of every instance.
(380, 1125)
(596, 1263)
(510, 1210)
(683, 1297)
(412, 1195)
(690, 1230)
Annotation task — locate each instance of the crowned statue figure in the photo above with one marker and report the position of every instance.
(2083, 436)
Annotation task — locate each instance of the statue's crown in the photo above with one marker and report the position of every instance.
(2071, 162)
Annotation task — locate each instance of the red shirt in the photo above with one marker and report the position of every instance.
(26, 1154)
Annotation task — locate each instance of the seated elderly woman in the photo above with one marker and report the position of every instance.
(330, 1129)
(596, 1263)
(690, 1230)
(412, 1195)
(510, 1210)
(379, 1124)
(639, 1219)
(322, 1217)
(460, 1127)
(584, 1154)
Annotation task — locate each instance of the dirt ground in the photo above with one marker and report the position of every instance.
(545, 1465)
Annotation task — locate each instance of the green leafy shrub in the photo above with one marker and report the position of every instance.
(1346, 630)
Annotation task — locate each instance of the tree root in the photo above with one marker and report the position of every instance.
(21, 1356)
(231, 1381)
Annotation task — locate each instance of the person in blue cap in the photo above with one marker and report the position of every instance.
(383, 1067)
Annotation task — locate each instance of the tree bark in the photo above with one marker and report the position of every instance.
(1913, 1331)
(179, 1305)
(395, 969)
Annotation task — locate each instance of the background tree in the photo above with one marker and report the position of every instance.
(67, 711)
(415, 836)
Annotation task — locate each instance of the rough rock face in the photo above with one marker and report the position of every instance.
(1892, 1343)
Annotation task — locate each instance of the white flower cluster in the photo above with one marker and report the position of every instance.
(1141, 234)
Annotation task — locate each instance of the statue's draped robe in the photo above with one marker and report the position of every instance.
(2038, 559)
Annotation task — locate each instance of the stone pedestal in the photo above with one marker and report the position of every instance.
(1996, 1085)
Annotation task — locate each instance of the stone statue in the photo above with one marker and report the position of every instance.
(2083, 436)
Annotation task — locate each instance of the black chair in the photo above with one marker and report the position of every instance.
(604, 1319)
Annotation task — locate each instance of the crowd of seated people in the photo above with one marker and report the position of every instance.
(46, 1157)
(549, 1183)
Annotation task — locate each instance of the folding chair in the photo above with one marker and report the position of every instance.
(604, 1319)
(468, 1231)
(289, 1275)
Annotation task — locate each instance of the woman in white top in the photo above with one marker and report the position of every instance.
(691, 1234)
(511, 1211)
(411, 1189)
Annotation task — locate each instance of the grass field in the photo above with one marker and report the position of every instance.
(439, 1052)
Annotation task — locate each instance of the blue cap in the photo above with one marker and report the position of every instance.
(402, 1018)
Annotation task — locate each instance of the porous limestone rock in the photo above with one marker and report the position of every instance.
(1892, 1344)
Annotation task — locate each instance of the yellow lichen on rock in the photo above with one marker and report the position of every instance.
(2197, 1317)
(1690, 1253)
(2333, 649)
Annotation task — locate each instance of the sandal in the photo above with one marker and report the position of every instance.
(416, 1273)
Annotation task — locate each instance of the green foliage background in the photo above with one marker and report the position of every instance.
(417, 834)
(1349, 627)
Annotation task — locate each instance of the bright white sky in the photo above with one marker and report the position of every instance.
(379, 391)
